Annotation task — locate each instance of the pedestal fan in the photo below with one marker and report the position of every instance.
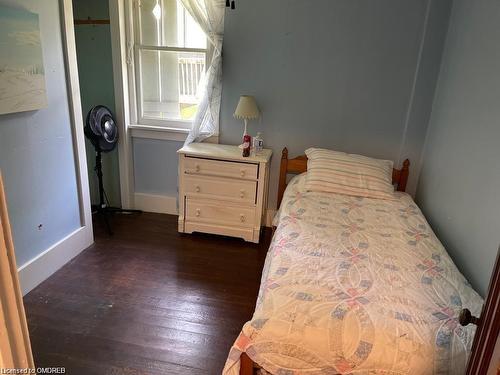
(101, 130)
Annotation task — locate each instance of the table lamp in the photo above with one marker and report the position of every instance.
(247, 110)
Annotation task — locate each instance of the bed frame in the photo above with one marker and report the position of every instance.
(299, 165)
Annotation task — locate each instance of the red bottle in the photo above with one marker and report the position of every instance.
(247, 141)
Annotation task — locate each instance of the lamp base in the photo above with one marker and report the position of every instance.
(242, 145)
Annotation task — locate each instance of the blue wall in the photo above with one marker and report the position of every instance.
(459, 184)
(36, 153)
(332, 73)
(336, 74)
(419, 111)
(155, 166)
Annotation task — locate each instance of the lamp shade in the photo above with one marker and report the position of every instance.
(247, 108)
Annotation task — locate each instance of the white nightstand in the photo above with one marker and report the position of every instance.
(222, 192)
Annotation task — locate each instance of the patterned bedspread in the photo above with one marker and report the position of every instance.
(356, 286)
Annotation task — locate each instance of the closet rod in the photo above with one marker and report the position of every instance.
(90, 21)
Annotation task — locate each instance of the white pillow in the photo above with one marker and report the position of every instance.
(338, 172)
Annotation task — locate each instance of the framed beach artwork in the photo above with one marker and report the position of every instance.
(22, 76)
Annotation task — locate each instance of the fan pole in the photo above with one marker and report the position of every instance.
(102, 132)
(102, 204)
(98, 169)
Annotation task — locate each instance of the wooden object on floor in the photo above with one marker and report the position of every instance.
(146, 301)
(222, 192)
(15, 348)
(298, 165)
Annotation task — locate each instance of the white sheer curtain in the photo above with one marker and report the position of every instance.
(210, 16)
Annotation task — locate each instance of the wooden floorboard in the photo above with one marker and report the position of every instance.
(146, 300)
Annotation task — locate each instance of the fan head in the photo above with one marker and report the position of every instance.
(101, 129)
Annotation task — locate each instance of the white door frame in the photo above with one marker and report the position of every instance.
(45, 264)
(120, 54)
(75, 107)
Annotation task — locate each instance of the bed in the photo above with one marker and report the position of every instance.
(354, 286)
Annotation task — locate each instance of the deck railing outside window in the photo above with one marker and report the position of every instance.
(191, 71)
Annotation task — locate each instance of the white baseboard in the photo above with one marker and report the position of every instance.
(45, 264)
(160, 204)
(269, 217)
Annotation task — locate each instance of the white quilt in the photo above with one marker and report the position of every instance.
(356, 286)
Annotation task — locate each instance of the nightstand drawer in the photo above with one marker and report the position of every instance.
(222, 192)
(221, 188)
(221, 168)
(218, 212)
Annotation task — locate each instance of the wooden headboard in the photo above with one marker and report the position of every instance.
(299, 165)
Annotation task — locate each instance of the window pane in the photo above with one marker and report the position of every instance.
(167, 23)
(171, 84)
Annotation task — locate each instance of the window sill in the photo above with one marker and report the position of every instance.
(158, 132)
(164, 133)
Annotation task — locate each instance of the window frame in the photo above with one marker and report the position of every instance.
(134, 48)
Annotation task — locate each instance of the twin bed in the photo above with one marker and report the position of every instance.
(354, 285)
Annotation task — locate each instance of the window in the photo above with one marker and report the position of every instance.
(170, 59)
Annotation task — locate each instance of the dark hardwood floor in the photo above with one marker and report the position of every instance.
(146, 301)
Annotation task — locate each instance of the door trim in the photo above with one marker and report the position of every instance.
(15, 347)
(488, 327)
(45, 264)
(75, 109)
(117, 10)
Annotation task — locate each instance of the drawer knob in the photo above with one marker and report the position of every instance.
(198, 212)
(242, 173)
(197, 188)
(242, 193)
(242, 218)
(197, 168)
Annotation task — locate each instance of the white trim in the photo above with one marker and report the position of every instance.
(165, 134)
(161, 204)
(119, 52)
(45, 264)
(179, 124)
(131, 27)
(269, 217)
(122, 37)
(75, 110)
(157, 132)
(132, 19)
